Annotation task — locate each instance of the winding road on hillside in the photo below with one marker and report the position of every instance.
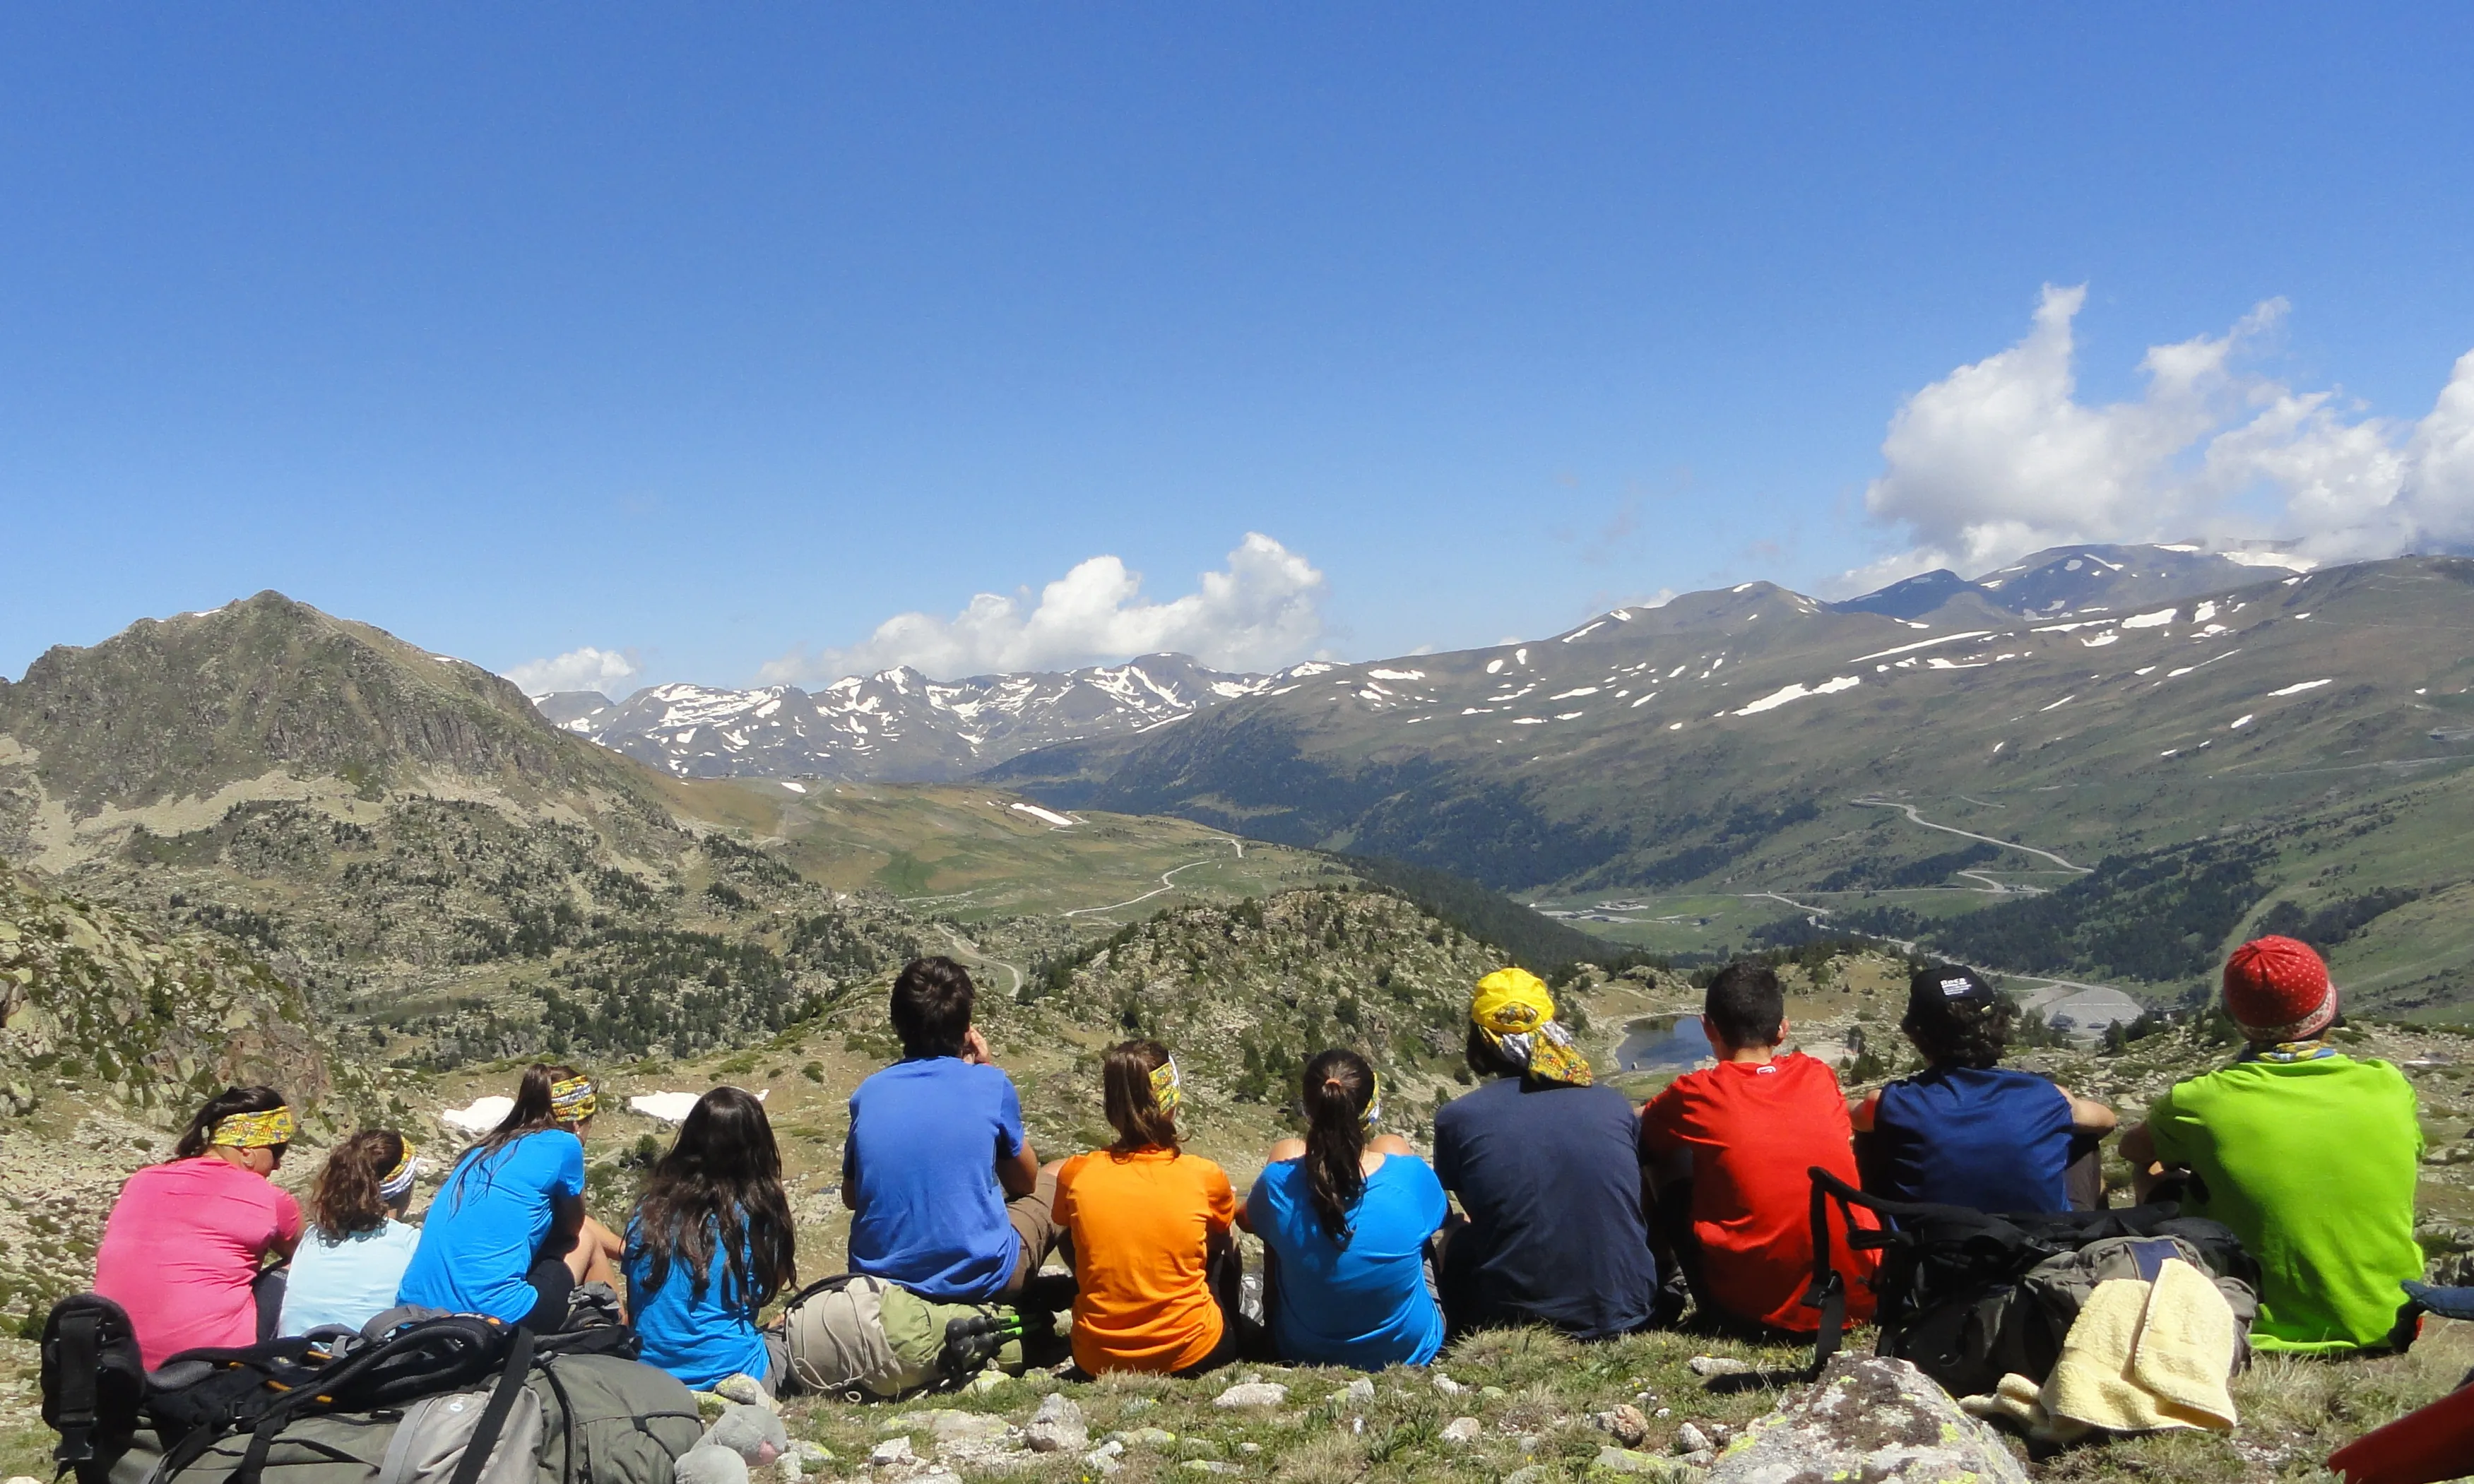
(1914, 818)
(972, 951)
(1168, 883)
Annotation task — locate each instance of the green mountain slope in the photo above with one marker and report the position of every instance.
(1751, 740)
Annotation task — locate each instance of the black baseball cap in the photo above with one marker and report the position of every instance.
(1941, 985)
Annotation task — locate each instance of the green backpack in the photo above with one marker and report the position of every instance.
(861, 1336)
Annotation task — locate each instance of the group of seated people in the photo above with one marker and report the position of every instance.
(1569, 1199)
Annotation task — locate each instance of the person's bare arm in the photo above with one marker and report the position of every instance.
(2139, 1149)
(1286, 1149)
(2089, 1116)
(1019, 1172)
(1860, 1112)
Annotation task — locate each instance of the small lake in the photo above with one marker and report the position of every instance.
(1663, 1043)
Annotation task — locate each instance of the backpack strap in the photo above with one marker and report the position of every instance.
(79, 1356)
(493, 1416)
(1828, 1290)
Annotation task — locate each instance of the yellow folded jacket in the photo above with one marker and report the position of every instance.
(2143, 1356)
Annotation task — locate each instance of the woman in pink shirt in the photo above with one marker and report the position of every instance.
(186, 1247)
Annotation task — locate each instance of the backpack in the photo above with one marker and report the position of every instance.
(1968, 1297)
(94, 1383)
(436, 1399)
(858, 1334)
(608, 1420)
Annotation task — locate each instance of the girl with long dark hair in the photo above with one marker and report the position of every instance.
(711, 1245)
(507, 1235)
(1148, 1224)
(193, 1248)
(348, 1268)
(1345, 1213)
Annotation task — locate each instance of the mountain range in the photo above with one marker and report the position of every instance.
(897, 724)
(2099, 788)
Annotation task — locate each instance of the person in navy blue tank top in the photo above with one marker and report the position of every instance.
(1968, 1131)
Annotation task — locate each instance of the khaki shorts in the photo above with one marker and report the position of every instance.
(1034, 1219)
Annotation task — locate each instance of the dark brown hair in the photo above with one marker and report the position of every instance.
(1338, 1085)
(1488, 1059)
(716, 1200)
(531, 1115)
(1961, 1033)
(931, 1006)
(1746, 1003)
(1125, 1092)
(344, 1196)
(222, 1105)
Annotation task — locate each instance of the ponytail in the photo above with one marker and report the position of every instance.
(347, 1197)
(537, 1109)
(1132, 1079)
(1339, 1094)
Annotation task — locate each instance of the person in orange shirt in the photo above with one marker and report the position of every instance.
(1149, 1227)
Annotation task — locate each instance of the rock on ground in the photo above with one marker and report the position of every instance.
(1462, 1431)
(1624, 1424)
(708, 1464)
(1873, 1419)
(1253, 1394)
(1057, 1428)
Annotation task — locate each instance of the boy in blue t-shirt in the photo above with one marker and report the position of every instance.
(949, 1200)
(1967, 1130)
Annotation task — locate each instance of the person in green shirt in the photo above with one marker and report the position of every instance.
(2310, 1155)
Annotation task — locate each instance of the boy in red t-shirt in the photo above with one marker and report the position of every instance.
(1752, 1127)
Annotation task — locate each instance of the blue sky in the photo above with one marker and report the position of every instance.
(717, 338)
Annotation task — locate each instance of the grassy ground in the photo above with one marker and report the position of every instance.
(1533, 1395)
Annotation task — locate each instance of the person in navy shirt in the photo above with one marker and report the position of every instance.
(1968, 1131)
(948, 1199)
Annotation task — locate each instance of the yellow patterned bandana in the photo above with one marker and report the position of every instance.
(1373, 1106)
(573, 1100)
(398, 1183)
(253, 1131)
(1516, 1011)
(1168, 1088)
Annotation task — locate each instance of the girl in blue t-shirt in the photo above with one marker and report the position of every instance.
(711, 1245)
(507, 1235)
(350, 1261)
(1344, 1214)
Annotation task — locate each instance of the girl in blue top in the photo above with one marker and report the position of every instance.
(507, 1235)
(711, 1245)
(351, 1262)
(1344, 1214)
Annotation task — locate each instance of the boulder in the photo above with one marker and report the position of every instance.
(1874, 1419)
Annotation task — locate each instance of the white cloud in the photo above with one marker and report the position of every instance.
(1262, 611)
(606, 670)
(2001, 457)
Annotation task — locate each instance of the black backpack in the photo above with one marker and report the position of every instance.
(97, 1393)
(94, 1383)
(1953, 1285)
